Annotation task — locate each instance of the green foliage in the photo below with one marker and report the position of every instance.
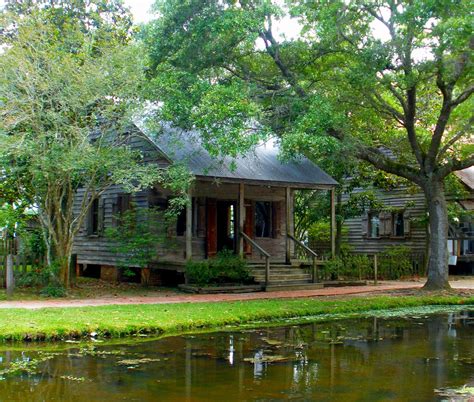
(320, 231)
(45, 278)
(398, 97)
(68, 71)
(226, 267)
(394, 263)
(136, 237)
(53, 290)
(348, 266)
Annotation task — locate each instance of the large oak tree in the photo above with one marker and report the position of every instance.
(391, 80)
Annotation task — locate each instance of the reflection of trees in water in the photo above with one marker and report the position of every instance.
(388, 354)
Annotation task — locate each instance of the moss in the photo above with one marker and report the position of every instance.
(118, 321)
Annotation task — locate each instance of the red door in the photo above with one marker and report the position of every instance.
(211, 227)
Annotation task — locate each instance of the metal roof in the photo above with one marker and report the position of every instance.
(260, 164)
(466, 176)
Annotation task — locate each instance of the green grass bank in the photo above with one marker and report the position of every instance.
(124, 320)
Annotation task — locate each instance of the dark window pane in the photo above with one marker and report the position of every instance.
(398, 224)
(263, 222)
(181, 223)
(94, 217)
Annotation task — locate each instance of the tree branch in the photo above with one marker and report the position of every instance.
(273, 49)
(381, 161)
(462, 97)
(454, 165)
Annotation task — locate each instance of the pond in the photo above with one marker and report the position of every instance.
(411, 358)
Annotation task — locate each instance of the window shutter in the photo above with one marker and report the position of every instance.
(386, 224)
(406, 223)
(276, 218)
(125, 201)
(201, 217)
(89, 222)
(365, 224)
(115, 212)
(101, 216)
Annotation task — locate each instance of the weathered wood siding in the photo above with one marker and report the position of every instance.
(413, 204)
(94, 249)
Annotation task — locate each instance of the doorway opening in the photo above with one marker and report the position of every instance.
(226, 225)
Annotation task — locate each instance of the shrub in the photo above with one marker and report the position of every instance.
(45, 278)
(226, 267)
(395, 263)
(53, 290)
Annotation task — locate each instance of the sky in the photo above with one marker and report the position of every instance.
(140, 10)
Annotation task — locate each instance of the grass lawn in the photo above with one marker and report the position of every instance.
(115, 321)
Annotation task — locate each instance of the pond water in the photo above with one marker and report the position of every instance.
(413, 358)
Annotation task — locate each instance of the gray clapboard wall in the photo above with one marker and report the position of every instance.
(94, 249)
(414, 209)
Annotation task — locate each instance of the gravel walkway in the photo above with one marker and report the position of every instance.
(385, 286)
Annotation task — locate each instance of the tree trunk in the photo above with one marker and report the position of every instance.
(438, 241)
(63, 253)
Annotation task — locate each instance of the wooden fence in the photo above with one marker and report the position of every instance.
(22, 262)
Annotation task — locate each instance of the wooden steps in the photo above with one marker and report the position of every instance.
(284, 277)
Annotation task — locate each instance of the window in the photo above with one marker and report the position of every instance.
(93, 224)
(374, 225)
(263, 219)
(122, 204)
(398, 224)
(181, 223)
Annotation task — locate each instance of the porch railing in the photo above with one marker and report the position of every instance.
(262, 252)
(312, 254)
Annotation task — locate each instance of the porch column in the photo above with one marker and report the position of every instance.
(333, 223)
(241, 215)
(189, 227)
(289, 223)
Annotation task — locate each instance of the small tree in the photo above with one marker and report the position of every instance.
(68, 86)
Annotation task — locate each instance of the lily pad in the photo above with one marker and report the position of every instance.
(267, 359)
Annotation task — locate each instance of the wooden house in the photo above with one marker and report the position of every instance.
(243, 204)
(402, 223)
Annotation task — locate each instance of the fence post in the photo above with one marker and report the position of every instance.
(10, 277)
(375, 269)
(315, 270)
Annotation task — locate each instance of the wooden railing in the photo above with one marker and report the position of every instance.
(313, 255)
(262, 252)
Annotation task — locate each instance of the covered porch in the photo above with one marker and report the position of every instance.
(254, 219)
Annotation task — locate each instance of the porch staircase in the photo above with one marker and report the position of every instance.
(284, 276)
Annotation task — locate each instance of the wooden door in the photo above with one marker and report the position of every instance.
(211, 227)
(249, 224)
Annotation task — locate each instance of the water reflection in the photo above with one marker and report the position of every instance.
(366, 359)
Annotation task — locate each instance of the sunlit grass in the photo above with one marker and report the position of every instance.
(123, 320)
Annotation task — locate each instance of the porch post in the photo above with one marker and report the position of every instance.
(333, 223)
(241, 215)
(189, 227)
(289, 223)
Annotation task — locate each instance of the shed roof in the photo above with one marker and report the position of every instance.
(466, 176)
(262, 164)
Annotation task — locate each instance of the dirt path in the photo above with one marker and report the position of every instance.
(387, 286)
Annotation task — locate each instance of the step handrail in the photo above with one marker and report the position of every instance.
(262, 252)
(311, 253)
